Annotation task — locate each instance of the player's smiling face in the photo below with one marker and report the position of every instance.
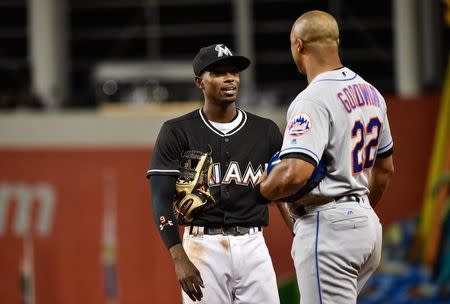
(220, 83)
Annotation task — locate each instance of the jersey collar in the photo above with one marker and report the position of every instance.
(220, 133)
(341, 74)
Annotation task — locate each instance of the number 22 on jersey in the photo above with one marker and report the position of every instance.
(366, 138)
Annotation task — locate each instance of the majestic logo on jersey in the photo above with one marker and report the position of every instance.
(299, 125)
(222, 50)
(234, 173)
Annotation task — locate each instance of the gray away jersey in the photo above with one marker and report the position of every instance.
(342, 118)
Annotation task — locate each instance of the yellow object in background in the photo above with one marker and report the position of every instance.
(447, 11)
(429, 216)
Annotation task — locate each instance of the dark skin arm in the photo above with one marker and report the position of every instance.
(286, 178)
(284, 211)
(282, 207)
(162, 189)
(379, 178)
(187, 274)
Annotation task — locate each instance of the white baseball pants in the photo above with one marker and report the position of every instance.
(234, 269)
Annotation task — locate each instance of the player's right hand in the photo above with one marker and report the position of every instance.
(188, 275)
(189, 278)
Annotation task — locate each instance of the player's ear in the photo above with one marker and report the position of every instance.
(300, 45)
(199, 82)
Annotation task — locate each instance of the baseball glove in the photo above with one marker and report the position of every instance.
(192, 191)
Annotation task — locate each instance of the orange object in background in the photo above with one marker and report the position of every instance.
(68, 262)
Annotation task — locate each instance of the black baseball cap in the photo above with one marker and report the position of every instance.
(209, 55)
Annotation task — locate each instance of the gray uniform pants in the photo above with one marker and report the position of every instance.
(336, 248)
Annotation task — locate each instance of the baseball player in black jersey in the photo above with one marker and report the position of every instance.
(223, 257)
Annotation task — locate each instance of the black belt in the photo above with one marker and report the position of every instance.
(301, 211)
(231, 230)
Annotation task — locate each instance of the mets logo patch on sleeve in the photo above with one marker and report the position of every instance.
(299, 125)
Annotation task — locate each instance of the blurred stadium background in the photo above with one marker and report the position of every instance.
(86, 84)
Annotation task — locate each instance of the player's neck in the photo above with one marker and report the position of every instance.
(221, 113)
(315, 68)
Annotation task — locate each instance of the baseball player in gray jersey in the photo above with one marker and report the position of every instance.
(341, 119)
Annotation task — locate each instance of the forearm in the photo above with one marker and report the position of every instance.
(286, 179)
(378, 181)
(278, 189)
(162, 189)
(177, 253)
(284, 211)
(282, 182)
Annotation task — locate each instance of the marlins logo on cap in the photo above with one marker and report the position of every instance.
(222, 50)
(299, 125)
(210, 55)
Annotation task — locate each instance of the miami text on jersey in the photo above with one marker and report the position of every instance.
(233, 173)
(358, 95)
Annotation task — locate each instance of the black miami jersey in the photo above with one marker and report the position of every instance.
(239, 156)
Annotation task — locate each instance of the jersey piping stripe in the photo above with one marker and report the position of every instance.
(239, 127)
(205, 121)
(317, 256)
(331, 79)
(167, 171)
(387, 147)
(298, 149)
